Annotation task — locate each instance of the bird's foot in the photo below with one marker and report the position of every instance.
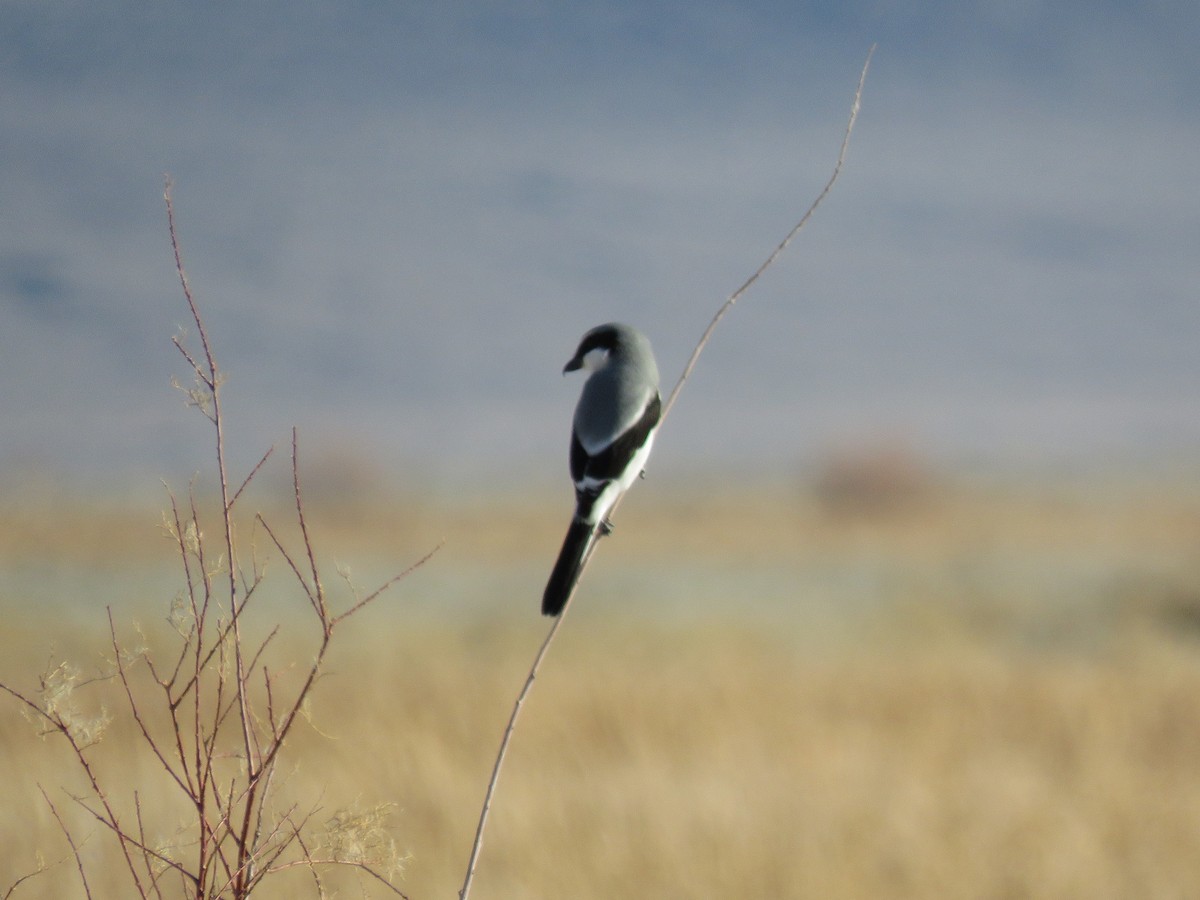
(606, 528)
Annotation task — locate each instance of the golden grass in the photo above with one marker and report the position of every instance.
(931, 750)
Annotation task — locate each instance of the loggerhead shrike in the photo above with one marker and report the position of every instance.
(615, 421)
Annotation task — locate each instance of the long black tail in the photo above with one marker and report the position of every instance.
(566, 571)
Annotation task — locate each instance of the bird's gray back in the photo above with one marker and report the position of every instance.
(615, 396)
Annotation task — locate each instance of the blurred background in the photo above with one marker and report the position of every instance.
(400, 219)
(908, 605)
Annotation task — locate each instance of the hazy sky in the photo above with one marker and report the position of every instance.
(398, 219)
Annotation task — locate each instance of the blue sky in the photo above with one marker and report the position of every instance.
(399, 218)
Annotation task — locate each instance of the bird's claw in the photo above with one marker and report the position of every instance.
(606, 528)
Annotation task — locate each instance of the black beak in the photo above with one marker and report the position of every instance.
(574, 365)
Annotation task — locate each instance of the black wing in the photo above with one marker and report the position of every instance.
(610, 462)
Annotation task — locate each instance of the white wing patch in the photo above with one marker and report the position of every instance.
(613, 489)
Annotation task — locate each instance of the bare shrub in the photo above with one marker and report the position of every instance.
(215, 711)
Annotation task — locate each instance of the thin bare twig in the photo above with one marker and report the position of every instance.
(70, 840)
(146, 855)
(347, 613)
(770, 260)
(687, 371)
(345, 864)
(59, 725)
(318, 588)
(258, 465)
(136, 712)
(291, 562)
(477, 845)
(115, 827)
(306, 860)
(42, 868)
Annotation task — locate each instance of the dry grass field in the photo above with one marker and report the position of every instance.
(974, 691)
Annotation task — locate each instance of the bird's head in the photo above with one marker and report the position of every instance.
(596, 347)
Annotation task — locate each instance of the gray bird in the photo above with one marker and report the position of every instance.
(615, 422)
